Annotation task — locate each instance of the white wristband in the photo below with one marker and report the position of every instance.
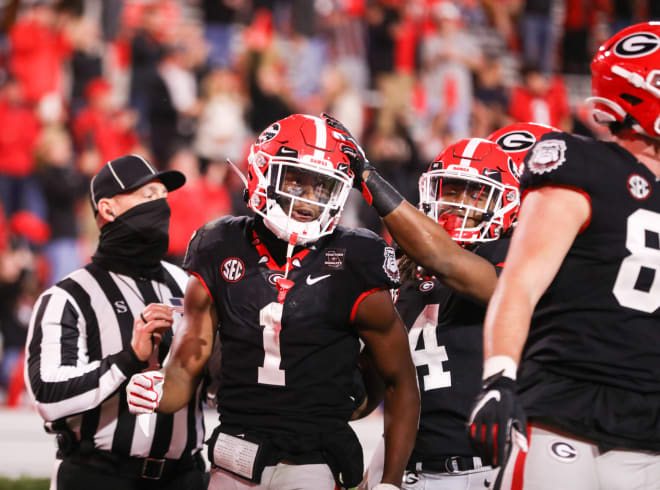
(504, 364)
(385, 486)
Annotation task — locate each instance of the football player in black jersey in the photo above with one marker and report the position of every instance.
(571, 333)
(471, 191)
(291, 294)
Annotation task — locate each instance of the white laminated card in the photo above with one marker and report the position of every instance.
(235, 454)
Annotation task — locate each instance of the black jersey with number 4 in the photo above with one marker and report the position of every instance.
(592, 359)
(445, 331)
(288, 367)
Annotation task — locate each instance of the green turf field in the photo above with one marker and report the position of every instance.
(24, 484)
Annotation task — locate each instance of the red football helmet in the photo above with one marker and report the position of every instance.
(517, 139)
(471, 191)
(625, 80)
(298, 178)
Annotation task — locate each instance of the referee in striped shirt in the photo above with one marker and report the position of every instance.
(93, 330)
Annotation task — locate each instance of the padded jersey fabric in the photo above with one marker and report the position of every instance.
(591, 364)
(447, 349)
(318, 342)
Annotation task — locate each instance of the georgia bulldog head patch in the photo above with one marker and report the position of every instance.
(389, 265)
(546, 156)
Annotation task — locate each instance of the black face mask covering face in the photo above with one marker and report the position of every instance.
(136, 241)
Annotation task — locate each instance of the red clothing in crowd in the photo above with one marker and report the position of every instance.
(582, 14)
(37, 54)
(104, 131)
(193, 205)
(405, 48)
(20, 129)
(552, 108)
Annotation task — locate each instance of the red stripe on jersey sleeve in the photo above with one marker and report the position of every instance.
(203, 283)
(570, 188)
(360, 299)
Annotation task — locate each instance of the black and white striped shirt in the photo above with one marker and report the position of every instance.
(79, 359)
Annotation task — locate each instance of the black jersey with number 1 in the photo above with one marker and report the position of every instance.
(445, 331)
(288, 367)
(591, 364)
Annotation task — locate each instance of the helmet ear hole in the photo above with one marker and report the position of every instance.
(631, 99)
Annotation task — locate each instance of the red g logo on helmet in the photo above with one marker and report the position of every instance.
(636, 45)
(625, 81)
(517, 139)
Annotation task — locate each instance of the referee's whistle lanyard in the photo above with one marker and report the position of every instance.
(136, 241)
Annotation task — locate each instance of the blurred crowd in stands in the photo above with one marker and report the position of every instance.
(189, 83)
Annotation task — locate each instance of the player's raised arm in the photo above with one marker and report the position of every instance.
(424, 240)
(384, 334)
(431, 247)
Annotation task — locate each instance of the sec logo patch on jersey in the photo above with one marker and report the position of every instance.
(232, 269)
(546, 156)
(639, 187)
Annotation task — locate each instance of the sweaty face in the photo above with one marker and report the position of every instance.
(304, 186)
(456, 193)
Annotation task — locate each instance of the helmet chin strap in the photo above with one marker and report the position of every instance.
(285, 284)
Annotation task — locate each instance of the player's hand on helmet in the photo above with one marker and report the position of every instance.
(342, 133)
(496, 419)
(144, 392)
(351, 148)
(359, 164)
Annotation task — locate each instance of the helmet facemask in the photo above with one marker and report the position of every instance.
(301, 197)
(468, 205)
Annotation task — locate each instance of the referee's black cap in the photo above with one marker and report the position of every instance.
(127, 173)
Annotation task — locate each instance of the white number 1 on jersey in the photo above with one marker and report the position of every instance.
(433, 355)
(270, 317)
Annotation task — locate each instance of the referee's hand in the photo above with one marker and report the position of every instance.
(148, 328)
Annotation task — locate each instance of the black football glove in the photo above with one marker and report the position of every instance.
(358, 164)
(496, 414)
(351, 148)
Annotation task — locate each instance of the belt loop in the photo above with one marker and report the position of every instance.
(152, 469)
(476, 461)
(451, 464)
